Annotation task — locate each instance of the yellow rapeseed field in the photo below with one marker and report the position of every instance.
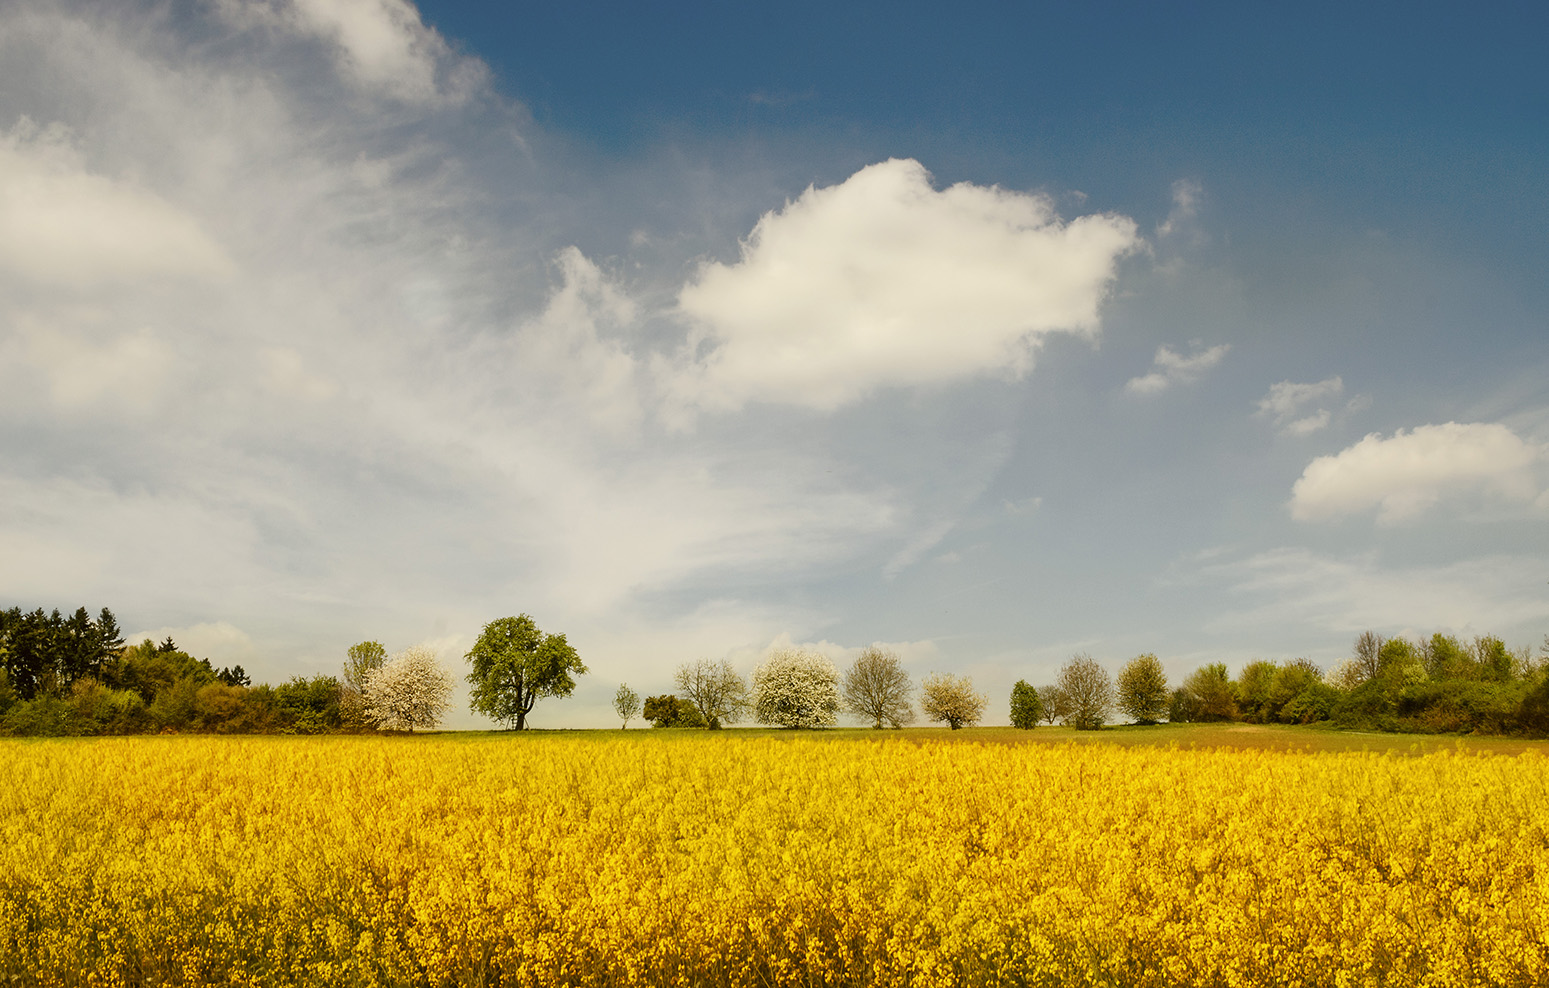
(726, 860)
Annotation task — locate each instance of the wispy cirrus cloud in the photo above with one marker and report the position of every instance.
(1171, 368)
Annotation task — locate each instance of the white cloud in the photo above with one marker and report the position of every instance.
(1402, 477)
(884, 281)
(382, 46)
(1171, 367)
(1186, 197)
(1300, 588)
(224, 644)
(1287, 400)
(65, 227)
(125, 373)
(1308, 424)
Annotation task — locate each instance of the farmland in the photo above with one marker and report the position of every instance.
(758, 858)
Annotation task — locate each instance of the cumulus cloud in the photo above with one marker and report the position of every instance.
(1294, 408)
(1170, 368)
(883, 280)
(1407, 474)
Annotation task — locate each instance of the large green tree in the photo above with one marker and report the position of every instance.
(1026, 706)
(514, 664)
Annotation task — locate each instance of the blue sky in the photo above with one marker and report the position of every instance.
(993, 334)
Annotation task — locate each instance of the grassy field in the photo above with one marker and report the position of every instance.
(1245, 737)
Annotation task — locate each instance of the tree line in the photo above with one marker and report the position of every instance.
(801, 688)
(1430, 685)
(75, 675)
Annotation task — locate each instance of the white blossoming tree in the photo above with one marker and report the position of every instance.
(795, 688)
(410, 690)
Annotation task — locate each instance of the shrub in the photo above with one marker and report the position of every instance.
(669, 711)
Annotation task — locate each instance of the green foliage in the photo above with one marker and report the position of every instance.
(626, 703)
(1297, 679)
(1026, 707)
(1182, 707)
(514, 664)
(1445, 658)
(1254, 683)
(44, 653)
(669, 711)
(176, 706)
(1142, 689)
(150, 669)
(1533, 713)
(305, 706)
(360, 661)
(46, 716)
(1314, 703)
(1212, 694)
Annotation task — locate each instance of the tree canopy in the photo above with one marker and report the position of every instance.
(1143, 694)
(715, 689)
(1026, 706)
(877, 688)
(952, 699)
(795, 688)
(1088, 692)
(515, 664)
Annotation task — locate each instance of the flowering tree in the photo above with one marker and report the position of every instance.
(952, 699)
(409, 690)
(795, 688)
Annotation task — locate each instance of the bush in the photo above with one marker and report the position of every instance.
(1313, 704)
(1464, 706)
(306, 706)
(47, 716)
(669, 711)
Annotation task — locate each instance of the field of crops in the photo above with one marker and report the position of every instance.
(605, 859)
